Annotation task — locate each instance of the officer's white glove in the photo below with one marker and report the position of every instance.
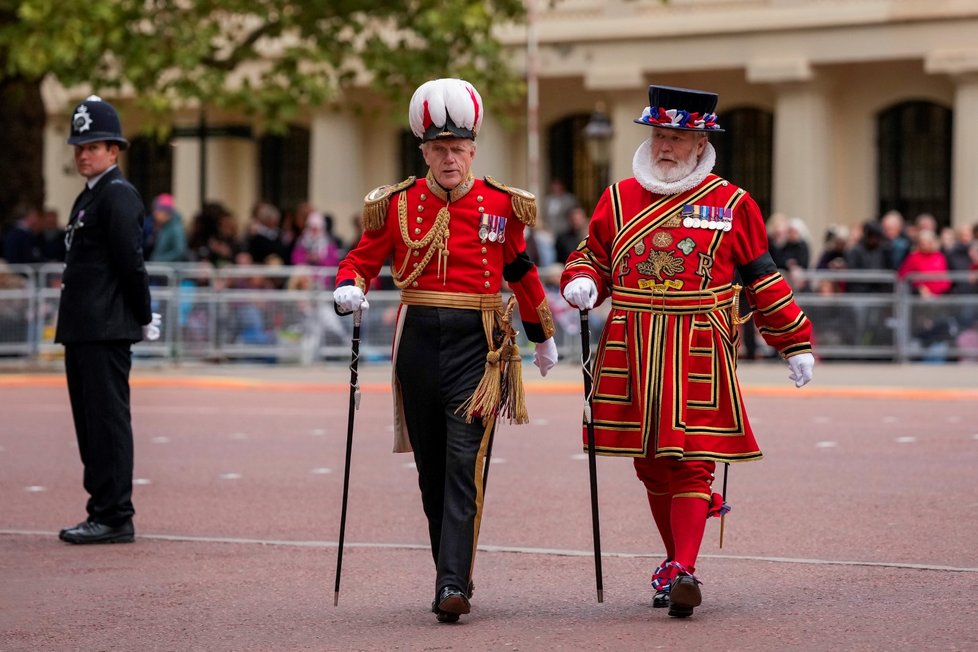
(349, 298)
(151, 331)
(581, 293)
(801, 366)
(545, 356)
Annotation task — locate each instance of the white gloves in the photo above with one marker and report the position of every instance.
(801, 368)
(151, 331)
(350, 298)
(581, 293)
(545, 356)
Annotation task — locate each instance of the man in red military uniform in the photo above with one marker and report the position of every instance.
(666, 246)
(452, 240)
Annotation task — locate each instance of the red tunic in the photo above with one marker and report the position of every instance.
(468, 263)
(665, 379)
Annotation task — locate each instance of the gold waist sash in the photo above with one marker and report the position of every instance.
(484, 302)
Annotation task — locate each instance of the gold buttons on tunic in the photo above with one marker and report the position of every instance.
(486, 273)
(423, 196)
(420, 208)
(420, 220)
(415, 253)
(415, 284)
(478, 198)
(484, 250)
(486, 284)
(485, 262)
(482, 209)
(417, 232)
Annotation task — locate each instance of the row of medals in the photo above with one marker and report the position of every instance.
(492, 228)
(717, 218)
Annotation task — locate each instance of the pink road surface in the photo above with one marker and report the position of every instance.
(856, 531)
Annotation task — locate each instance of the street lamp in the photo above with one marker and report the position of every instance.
(597, 138)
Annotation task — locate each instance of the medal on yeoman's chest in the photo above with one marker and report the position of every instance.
(661, 239)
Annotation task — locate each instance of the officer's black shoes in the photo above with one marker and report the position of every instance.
(91, 532)
(684, 596)
(661, 599)
(451, 604)
(61, 534)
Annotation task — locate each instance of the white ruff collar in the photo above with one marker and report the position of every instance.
(642, 169)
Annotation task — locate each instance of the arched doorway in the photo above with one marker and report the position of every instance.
(913, 142)
(568, 161)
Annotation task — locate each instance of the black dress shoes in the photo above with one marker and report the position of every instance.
(91, 532)
(61, 534)
(684, 595)
(451, 604)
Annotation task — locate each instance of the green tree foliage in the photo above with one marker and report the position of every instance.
(267, 58)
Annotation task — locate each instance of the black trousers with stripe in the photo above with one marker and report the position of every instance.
(440, 359)
(98, 387)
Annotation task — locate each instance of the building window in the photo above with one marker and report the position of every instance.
(745, 152)
(412, 161)
(914, 165)
(149, 166)
(285, 168)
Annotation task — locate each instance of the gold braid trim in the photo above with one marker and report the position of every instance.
(524, 203)
(436, 240)
(546, 319)
(376, 202)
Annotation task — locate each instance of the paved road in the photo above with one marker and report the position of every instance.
(854, 533)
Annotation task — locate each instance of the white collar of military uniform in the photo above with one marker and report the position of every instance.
(642, 169)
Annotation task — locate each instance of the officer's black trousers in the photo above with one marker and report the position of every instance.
(98, 386)
(441, 357)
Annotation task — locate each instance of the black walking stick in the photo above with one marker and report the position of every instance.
(723, 515)
(586, 365)
(354, 406)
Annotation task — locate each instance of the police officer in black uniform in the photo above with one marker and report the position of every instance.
(104, 309)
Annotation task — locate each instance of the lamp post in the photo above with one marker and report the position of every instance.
(597, 138)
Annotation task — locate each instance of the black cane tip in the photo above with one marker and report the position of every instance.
(600, 595)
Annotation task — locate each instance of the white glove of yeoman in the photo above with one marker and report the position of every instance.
(545, 356)
(151, 331)
(581, 293)
(801, 366)
(349, 298)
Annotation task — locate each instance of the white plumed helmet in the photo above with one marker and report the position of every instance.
(446, 108)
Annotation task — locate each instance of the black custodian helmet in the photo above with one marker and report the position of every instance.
(94, 120)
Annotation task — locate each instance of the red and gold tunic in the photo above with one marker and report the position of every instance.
(665, 371)
(434, 244)
(453, 250)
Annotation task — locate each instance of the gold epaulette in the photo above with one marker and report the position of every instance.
(376, 202)
(524, 203)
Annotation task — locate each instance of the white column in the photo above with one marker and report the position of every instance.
(964, 174)
(186, 179)
(802, 155)
(336, 177)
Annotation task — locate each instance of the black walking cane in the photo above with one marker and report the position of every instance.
(726, 470)
(354, 406)
(586, 365)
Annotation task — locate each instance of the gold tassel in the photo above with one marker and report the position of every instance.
(516, 399)
(485, 398)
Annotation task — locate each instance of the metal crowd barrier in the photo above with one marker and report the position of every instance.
(285, 315)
